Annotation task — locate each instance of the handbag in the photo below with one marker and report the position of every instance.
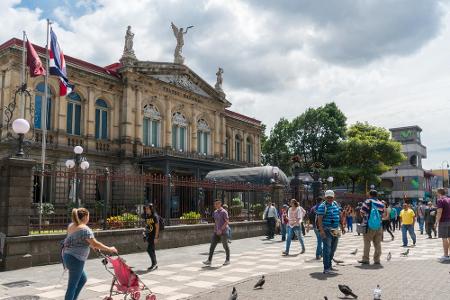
(336, 232)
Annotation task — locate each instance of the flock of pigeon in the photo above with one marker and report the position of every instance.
(345, 289)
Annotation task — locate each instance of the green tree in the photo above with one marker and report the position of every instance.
(315, 134)
(275, 148)
(367, 153)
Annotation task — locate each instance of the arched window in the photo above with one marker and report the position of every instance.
(40, 90)
(73, 114)
(249, 150)
(179, 132)
(152, 126)
(238, 146)
(101, 119)
(203, 137)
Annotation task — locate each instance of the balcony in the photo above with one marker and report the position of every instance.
(149, 152)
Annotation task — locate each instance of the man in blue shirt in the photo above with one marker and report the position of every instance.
(329, 218)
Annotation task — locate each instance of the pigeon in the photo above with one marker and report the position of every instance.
(347, 291)
(354, 252)
(260, 283)
(389, 256)
(405, 253)
(234, 294)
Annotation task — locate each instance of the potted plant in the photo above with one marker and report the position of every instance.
(46, 210)
(236, 207)
(191, 217)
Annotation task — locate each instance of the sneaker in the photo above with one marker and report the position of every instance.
(284, 253)
(363, 262)
(318, 257)
(152, 268)
(303, 251)
(207, 262)
(226, 263)
(329, 272)
(444, 258)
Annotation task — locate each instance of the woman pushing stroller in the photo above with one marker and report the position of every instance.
(75, 251)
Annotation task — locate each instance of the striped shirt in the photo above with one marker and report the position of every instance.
(366, 208)
(331, 214)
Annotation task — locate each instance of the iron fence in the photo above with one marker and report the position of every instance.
(117, 199)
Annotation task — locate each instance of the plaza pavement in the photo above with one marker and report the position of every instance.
(181, 273)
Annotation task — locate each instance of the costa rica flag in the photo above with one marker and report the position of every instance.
(58, 65)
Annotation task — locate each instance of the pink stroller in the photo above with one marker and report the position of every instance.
(125, 281)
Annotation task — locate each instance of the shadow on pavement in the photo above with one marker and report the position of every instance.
(210, 268)
(217, 251)
(321, 276)
(369, 267)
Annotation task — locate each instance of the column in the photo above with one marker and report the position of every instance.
(138, 117)
(16, 184)
(168, 125)
(217, 143)
(193, 130)
(223, 136)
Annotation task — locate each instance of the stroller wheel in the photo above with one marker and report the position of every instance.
(150, 297)
(136, 295)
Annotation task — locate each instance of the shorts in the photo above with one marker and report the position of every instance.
(444, 230)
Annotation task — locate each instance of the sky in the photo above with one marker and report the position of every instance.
(386, 62)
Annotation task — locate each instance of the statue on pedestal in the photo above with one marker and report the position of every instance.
(219, 81)
(179, 35)
(128, 55)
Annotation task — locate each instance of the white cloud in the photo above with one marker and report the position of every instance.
(382, 62)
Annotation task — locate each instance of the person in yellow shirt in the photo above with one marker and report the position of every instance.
(408, 220)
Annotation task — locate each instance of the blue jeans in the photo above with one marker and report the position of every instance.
(329, 248)
(350, 224)
(410, 230)
(77, 276)
(319, 243)
(283, 231)
(298, 233)
(229, 233)
(421, 223)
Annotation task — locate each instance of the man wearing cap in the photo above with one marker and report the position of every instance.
(329, 218)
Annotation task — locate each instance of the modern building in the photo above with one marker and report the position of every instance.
(407, 181)
(132, 116)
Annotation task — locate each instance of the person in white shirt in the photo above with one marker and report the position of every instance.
(271, 217)
(295, 217)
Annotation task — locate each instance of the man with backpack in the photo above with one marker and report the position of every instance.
(153, 225)
(372, 211)
(313, 220)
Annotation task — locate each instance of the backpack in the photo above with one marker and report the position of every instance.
(161, 223)
(393, 214)
(374, 221)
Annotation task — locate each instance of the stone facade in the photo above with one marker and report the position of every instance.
(142, 104)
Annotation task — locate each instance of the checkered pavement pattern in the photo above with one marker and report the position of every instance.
(183, 280)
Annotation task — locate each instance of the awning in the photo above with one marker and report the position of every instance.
(257, 175)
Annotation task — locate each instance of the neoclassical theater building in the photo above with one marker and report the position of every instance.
(132, 116)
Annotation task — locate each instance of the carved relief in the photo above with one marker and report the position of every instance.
(150, 111)
(179, 119)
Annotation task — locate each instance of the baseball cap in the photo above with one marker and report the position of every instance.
(329, 193)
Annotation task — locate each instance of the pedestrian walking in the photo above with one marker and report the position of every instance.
(75, 251)
(407, 219)
(329, 217)
(393, 217)
(349, 212)
(430, 219)
(358, 218)
(398, 208)
(151, 234)
(313, 219)
(386, 220)
(443, 221)
(372, 211)
(295, 216)
(271, 217)
(284, 221)
(220, 216)
(421, 216)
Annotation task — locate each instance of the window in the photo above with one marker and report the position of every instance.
(203, 137)
(238, 146)
(152, 126)
(101, 119)
(73, 114)
(249, 150)
(40, 91)
(179, 132)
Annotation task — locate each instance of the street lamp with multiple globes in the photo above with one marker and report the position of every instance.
(79, 162)
(330, 181)
(21, 127)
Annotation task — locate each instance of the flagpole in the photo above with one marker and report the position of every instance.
(44, 124)
(22, 79)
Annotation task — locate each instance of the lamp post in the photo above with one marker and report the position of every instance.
(248, 201)
(330, 182)
(215, 188)
(21, 127)
(442, 168)
(79, 162)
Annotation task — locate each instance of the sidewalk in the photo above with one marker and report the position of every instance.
(181, 273)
